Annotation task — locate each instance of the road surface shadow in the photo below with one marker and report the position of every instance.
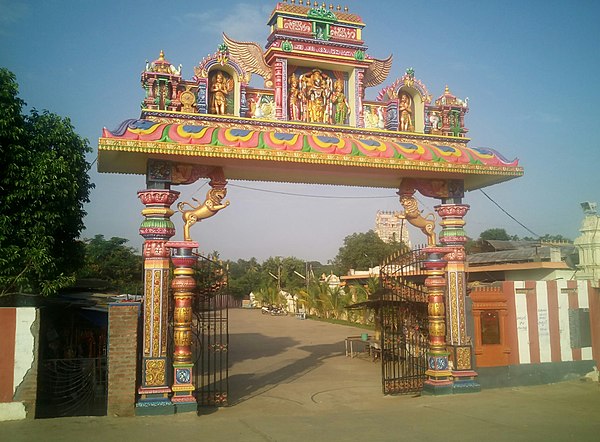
(244, 386)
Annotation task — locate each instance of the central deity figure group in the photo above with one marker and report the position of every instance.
(315, 98)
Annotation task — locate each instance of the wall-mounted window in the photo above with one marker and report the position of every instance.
(490, 327)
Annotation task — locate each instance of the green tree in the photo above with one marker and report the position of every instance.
(43, 186)
(113, 261)
(335, 299)
(547, 238)
(269, 295)
(497, 234)
(363, 251)
(283, 270)
(308, 299)
(244, 277)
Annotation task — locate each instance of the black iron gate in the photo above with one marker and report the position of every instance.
(403, 321)
(211, 334)
(72, 370)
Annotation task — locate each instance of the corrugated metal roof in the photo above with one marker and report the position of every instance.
(499, 245)
(541, 253)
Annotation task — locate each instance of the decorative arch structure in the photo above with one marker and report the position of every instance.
(206, 71)
(419, 98)
(178, 139)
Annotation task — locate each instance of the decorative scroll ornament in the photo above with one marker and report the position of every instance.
(251, 58)
(212, 204)
(155, 372)
(223, 54)
(359, 55)
(321, 14)
(410, 80)
(287, 46)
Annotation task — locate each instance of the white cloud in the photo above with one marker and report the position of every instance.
(243, 21)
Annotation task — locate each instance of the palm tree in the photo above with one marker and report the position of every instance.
(269, 295)
(335, 300)
(310, 298)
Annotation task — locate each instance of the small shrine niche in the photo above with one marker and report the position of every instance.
(221, 85)
(317, 96)
(165, 89)
(406, 111)
(404, 101)
(160, 81)
(322, 19)
(220, 95)
(447, 115)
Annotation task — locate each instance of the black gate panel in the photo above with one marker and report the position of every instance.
(211, 334)
(72, 370)
(72, 387)
(403, 321)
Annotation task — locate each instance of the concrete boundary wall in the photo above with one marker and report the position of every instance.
(19, 346)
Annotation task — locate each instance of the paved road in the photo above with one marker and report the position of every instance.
(290, 380)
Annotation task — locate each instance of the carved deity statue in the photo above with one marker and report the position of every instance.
(295, 99)
(342, 110)
(406, 120)
(317, 89)
(434, 119)
(220, 87)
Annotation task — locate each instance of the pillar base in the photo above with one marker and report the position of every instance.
(186, 407)
(465, 381)
(437, 388)
(154, 408)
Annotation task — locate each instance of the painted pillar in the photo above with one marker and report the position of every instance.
(156, 229)
(459, 344)
(280, 113)
(243, 100)
(438, 372)
(202, 96)
(359, 94)
(184, 286)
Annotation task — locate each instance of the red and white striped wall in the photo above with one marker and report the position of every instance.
(17, 344)
(538, 328)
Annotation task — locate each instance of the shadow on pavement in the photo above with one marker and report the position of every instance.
(249, 346)
(247, 385)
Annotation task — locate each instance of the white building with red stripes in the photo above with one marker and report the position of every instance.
(547, 328)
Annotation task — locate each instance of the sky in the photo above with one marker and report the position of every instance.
(528, 68)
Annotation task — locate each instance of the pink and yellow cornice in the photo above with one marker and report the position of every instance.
(319, 147)
(301, 153)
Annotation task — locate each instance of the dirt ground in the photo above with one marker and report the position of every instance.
(290, 380)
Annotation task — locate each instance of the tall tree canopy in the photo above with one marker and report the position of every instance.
(496, 234)
(43, 186)
(113, 261)
(363, 251)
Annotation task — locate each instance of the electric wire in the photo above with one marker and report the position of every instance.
(509, 215)
(92, 163)
(303, 195)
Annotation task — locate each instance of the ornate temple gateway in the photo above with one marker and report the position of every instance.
(309, 123)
